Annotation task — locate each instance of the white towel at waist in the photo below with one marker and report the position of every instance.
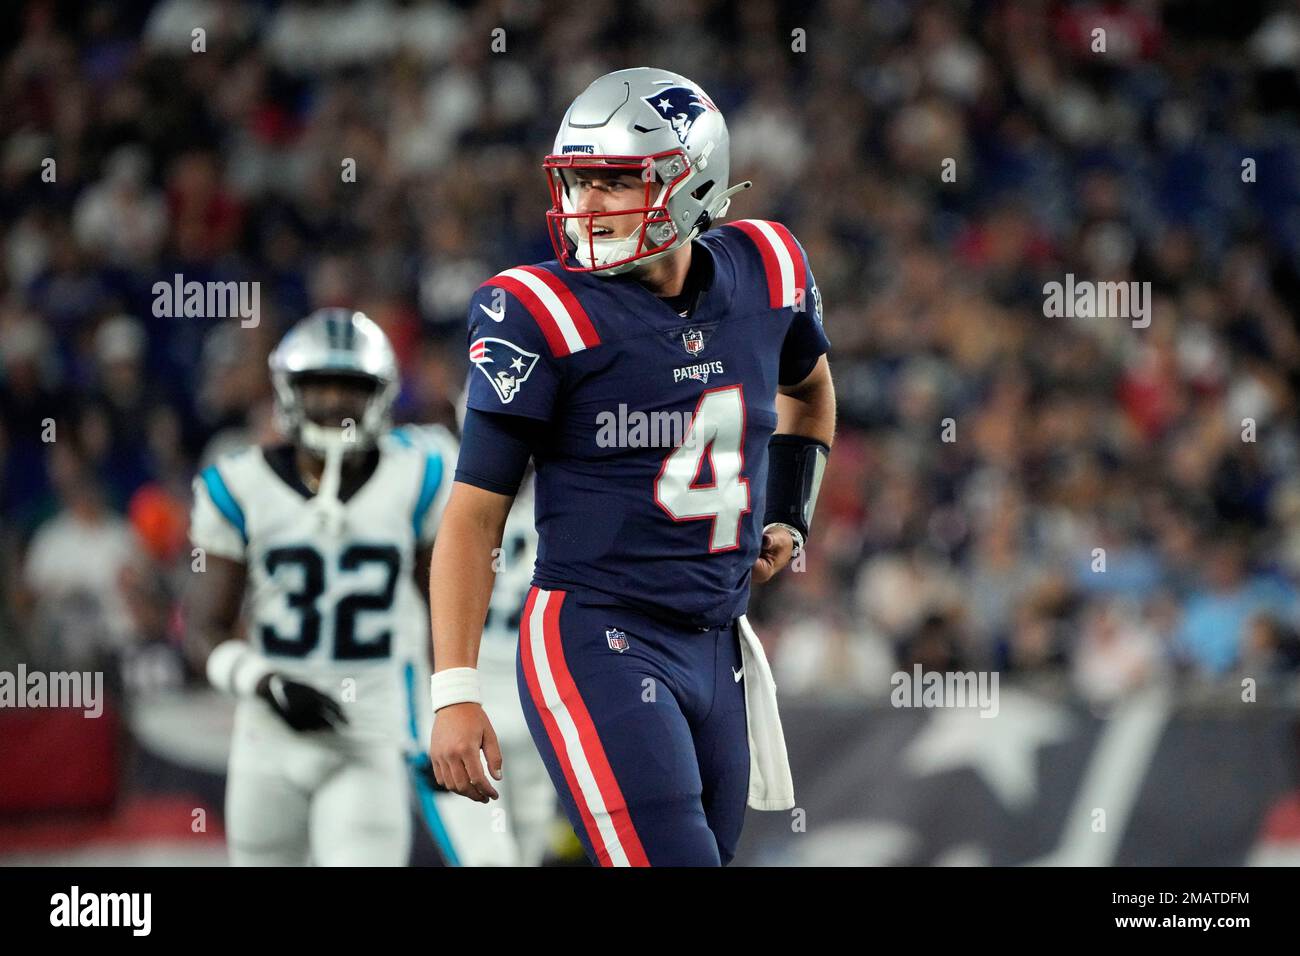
(771, 787)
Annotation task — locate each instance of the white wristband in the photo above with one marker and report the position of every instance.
(455, 685)
(235, 668)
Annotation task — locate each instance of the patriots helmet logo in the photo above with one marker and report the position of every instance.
(681, 106)
(505, 365)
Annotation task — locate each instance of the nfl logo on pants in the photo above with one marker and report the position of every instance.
(617, 639)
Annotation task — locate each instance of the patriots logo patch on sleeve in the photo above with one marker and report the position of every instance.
(504, 364)
(680, 106)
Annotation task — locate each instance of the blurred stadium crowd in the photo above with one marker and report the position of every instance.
(1070, 434)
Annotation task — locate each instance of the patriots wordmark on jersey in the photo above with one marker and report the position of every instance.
(339, 611)
(671, 527)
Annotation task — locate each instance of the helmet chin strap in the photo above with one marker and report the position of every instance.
(724, 200)
(333, 444)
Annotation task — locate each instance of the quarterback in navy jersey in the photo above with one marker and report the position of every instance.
(667, 375)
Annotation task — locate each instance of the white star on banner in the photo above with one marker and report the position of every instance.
(1002, 749)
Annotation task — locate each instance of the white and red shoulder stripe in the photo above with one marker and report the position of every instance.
(783, 263)
(553, 306)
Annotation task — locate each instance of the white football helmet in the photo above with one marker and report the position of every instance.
(654, 124)
(334, 342)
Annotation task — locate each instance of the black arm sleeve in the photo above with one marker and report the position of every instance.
(796, 367)
(494, 451)
(795, 464)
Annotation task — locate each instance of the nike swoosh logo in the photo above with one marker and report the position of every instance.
(496, 315)
(738, 674)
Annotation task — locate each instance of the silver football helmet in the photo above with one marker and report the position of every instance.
(334, 342)
(654, 124)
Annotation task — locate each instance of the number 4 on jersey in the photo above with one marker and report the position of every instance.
(717, 433)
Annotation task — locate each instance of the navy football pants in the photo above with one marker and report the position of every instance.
(647, 746)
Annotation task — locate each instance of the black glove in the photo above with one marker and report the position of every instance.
(300, 706)
(422, 767)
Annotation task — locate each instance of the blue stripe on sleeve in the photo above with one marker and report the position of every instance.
(224, 500)
(428, 491)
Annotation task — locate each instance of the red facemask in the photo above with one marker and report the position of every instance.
(569, 229)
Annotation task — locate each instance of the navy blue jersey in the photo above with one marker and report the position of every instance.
(651, 451)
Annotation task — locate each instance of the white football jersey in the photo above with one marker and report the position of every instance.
(339, 610)
(514, 576)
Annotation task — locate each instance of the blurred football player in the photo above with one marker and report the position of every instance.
(634, 655)
(324, 538)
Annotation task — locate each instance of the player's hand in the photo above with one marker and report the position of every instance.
(775, 554)
(461, 732)
(422, 767)
(299, 705)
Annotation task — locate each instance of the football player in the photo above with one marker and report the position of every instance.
(323, 538)
(630, 666)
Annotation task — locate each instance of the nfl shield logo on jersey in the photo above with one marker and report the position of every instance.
(693, 341)
(617, 639)
(504, 364)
